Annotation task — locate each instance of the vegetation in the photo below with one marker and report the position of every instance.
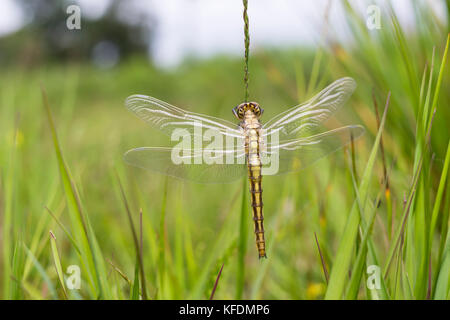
(67, 198)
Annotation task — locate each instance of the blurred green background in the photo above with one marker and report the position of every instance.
(189, 231)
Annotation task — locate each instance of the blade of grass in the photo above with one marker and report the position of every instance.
(90, 257)
(42, 272)
(8, 213)
(435, 215)
(135, 289)
(344, 254)
(440, 76)
(409, 203)
(162, 242)
(180, 263)
(387, 193)
(438, 199)
(444, 223)
(443, 282)
(421, 205)
(366, 245)
(407, 287)
(324, 266)
(405, 52)
(37, 240)
(242, 244)
(358, 269)
(17, 267)
(120, 272)
(137, 243)
(57, 262)
(216, 283)
(69, 236)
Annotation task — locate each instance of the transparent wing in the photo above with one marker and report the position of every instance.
(299, 120)
(297, 154)
(167, 118)
(205, 166)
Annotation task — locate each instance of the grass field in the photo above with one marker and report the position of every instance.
(67, 198)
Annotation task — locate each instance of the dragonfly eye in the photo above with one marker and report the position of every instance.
(239, 112)
(258, 110)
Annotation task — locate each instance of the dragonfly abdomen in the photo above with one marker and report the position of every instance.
(255, 178)
(254, 174)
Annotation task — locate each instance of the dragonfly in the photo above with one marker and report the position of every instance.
(289, 142)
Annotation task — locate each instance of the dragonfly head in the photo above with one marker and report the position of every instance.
(242, 109)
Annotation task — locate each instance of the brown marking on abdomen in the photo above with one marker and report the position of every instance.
(254, 174)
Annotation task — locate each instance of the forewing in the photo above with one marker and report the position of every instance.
(167, 118)
(301, 119)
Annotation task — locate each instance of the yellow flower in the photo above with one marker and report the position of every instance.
(314, 290)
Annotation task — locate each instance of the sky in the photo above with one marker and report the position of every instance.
(206, 27)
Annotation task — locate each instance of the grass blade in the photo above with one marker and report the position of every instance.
(443, 282)
(162, 242)
(90, 256)
(438, 199)
(43, 273)
(242, 244)
(135, 288)
(216, 283)
(343, 258)
(324, 266)
(137, 243)
(57, 262)
(357, 271)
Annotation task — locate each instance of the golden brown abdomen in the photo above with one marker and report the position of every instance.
(254, 174)
(255, 178)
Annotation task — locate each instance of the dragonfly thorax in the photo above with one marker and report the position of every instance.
(247, 108)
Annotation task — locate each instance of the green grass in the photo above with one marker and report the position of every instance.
(140, 235)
